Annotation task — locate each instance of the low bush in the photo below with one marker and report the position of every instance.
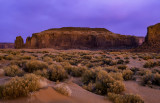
(8, 57)
(150, 64)
(58, 59)
(75, 71)
(63, 89)
(19, 86)
(127, 61)
(57, 73)
(42, 73)
(105, 84)
(89, 76)
(151, 78)
(116, 76)
(13, 70)
(122, 67)
(20, 63)
(127, 74)
(127, 98)
(34, 65)
(120, 61)
(47, 59)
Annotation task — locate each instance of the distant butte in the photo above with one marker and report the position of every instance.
(78, 38)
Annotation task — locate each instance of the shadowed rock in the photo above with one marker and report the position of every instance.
(152, 40)
(19, 43)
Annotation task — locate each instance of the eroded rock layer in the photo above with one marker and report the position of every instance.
(80, 38)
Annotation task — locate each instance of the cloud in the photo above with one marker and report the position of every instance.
(24, 17)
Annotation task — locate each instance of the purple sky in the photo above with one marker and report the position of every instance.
(24, 17)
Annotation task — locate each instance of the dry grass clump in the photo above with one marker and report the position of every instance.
(127, 74)
(105, 84)
(34, 65)
(122, 67)
(116, 76)
(19, 86)
(120, 61)
(58, 59)
(127, 98)
(8, 57)
(57, 73)
(42, 73)
(75, 71)
(89, 76)
(151, 79)
(150, 64)
(101, 82)
(1, 57)
(63, 89)
(20, 63)
(47, 59)
(109, 62)
(13, 70)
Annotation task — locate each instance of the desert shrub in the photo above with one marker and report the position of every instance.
(47, 59)
(134, 57)
(19, 86)
(147, 57)
(143, 72)
(122, 67)
(127, 61)
(134, 70)
(89, 65)
(89, 57)
(116, 76)
(127, 98)
(105, 84)
(111, 69)
(1, 57)
(58, 59)
(57, 73)
(127, 74)
(126, 58)
(89, 76)
(26, 57)
(8, 57)
(75, 71)
(151, 78)
(149, 64)
(63, 89)
(117, 58)
(42, 73)
(90, 86)
(120, 61)
(18, 63)
(34, 65)
(109, 62)
(13, 70)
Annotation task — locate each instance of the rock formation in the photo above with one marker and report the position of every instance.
(152, 40)
(19, 43)
(6, 45)
(79, 38)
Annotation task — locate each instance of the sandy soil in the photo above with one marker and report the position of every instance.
(149, 95)
(49, 95)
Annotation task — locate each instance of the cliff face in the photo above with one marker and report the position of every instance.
(80, 38)
(152, 40)
(6, 45)
(153, 35)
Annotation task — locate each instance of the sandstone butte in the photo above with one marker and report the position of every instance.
(77, 38)
(152, 39)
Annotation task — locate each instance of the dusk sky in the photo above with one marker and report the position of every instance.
(24, 17)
